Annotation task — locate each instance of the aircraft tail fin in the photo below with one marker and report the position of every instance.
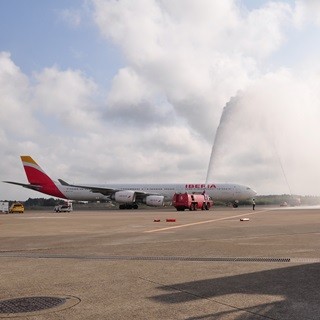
(34, 173)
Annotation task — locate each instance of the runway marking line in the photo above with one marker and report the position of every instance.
(206, 221)
(43, 217)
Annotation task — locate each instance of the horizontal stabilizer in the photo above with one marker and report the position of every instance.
(25, 185)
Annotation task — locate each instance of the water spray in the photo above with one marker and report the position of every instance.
(212, 156)
(281, 166)
(226, 114)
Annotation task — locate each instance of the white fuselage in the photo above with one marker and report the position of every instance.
(218, 191)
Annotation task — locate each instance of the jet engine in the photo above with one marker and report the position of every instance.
(154, 201)
(126, 196)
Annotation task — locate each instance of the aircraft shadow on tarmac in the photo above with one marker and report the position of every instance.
(285, 293)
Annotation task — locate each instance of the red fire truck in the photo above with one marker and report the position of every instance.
(182, 201)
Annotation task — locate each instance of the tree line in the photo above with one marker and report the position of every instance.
(260, 200)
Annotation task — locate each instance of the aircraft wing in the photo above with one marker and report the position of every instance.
(102, 190)
(25, 185)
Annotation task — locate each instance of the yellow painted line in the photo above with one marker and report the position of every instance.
(207, 221)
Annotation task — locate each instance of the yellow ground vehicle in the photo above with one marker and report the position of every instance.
(16, 208)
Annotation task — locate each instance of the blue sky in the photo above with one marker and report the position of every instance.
(37, 35)
(106, 91)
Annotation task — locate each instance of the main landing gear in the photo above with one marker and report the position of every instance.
(128, 206)
(235, 204)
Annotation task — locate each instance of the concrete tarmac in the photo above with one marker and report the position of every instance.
(117, 264)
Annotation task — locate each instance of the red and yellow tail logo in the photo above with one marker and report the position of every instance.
(36, 176)
(34, 172)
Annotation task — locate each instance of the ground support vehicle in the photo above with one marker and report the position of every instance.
(67, 207)
(4, 206)
(183, 201)
(16, 207)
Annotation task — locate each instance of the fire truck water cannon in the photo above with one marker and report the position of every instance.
(192, 202)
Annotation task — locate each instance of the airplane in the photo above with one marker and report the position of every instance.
(128, 196)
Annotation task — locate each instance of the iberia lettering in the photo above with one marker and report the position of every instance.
(200, 186)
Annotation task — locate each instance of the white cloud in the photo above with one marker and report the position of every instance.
(307, 12)
(184, 60)
(15, 99)
(261, 31)
(196, 54)
(273, 124)
(66, 95)
(73, 138)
